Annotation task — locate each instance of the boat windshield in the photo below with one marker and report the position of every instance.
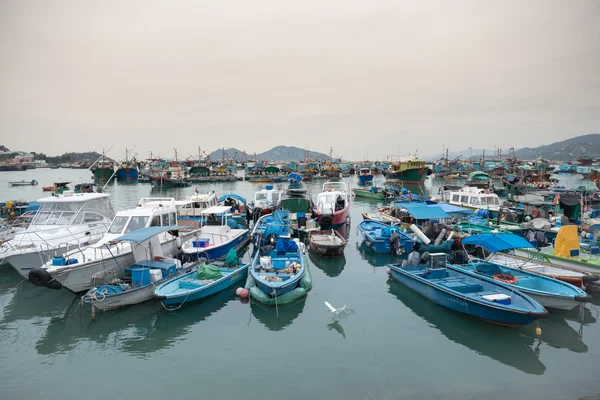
(493, 200)
(118, 224)
(136, 223)
(260, 196)
(56, 213)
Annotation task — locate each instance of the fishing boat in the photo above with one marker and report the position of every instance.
(32, 182)
(265, 201)
(468, 293)
(206, 280)
(279, 271)
(413, 170)
(550, 292)
(128, 169)
(375, 192)
(295, 187)
(333, 205)
(103, 169)
(382, 238)
(474, 198)
(136, 283)
(58, 187)
(238, 206)
(73, 270)
(365, 176)
(216, 236)
(63, 222)
(327, 243)
(381, 217)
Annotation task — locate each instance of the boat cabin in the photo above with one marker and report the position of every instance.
(476, 198)
(267, 197)
(193, 205)
(334, 197)
(71, 209)
(149, 212)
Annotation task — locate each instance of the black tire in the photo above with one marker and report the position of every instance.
(39, 277)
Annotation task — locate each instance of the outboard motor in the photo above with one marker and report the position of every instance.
(395, 243)
(425, 258)
(414, 259)
(41, 277)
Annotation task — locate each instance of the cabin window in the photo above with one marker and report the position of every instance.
(493, 201)
(164, 220)
(41, 218)
(474, 200)
(155, 221)
(92, 217)
(261, 196)
(456, 198)
(78, 219)
(172, 219)
(66, 218)
(484, 201)
(118, 224)
(136, 223)
(53, 218)
(464, 199)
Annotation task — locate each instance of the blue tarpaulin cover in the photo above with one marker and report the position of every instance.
(141, 235)
(451, 209)
(496, 242)
(424, 211)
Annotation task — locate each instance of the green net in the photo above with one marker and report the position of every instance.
(208, 271)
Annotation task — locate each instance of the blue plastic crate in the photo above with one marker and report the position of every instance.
(200, 242)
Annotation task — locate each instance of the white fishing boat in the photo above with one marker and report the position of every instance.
(192, 207)
(265, 201)
(149, 269)
(74, 270)
(63, 222)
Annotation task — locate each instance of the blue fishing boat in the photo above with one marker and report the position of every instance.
(216, 236)
(466, 292)
(207, 280)
(550, 292)
(280, 270)
(365, 176)
(269, 227)
(382, 238)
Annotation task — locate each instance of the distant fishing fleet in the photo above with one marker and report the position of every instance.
(508, 261)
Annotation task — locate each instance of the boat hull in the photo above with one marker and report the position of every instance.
(205, 291)
(326, 249)
(367, 194)
(412, 175)
(103, 174)
(333, 221)
(220, 251)
(364, 179)
(23, 263)
(127, 174)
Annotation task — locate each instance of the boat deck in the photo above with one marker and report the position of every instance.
(327, 240)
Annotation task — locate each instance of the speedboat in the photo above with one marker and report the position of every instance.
(63, 222)
(73, 270)
(466, 292)
(333, 205)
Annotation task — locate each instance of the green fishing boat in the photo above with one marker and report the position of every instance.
(374, 192)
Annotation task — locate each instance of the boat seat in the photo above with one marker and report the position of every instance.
(462, 286)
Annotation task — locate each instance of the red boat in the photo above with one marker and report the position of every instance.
(333, 205)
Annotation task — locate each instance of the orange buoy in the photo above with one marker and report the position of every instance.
(506, 278)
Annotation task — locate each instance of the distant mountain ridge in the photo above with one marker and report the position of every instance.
(585, 146)
(277, 153)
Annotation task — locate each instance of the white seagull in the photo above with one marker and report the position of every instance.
(336, 311)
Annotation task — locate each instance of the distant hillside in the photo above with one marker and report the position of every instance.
(4, 149)
(570, 149)
(278, 153)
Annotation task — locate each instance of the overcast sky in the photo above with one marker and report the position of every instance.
(368, 78)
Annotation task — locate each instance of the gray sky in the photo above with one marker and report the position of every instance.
(365, 77)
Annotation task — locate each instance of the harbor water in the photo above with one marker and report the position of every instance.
(394, 344)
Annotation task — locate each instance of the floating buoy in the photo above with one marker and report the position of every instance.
(389, 271)
(538, 331)
(238, 291)
(244, 294)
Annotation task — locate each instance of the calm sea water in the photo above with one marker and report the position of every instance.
(394, 345)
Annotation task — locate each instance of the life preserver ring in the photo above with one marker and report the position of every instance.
(535, 213)
(506, 278)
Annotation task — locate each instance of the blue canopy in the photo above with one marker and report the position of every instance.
(496, 242)
(452, 209)
(294, 176)
(233, 196)
(141, 235)
(421, 210)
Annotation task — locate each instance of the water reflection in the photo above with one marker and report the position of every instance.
(268, 316)
(331, 266)
(336, 326)
(377, 259)
(139, 330)
(505, 345)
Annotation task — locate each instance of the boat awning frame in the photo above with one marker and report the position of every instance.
(215, 210)
(496, 242)
(233, 196)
